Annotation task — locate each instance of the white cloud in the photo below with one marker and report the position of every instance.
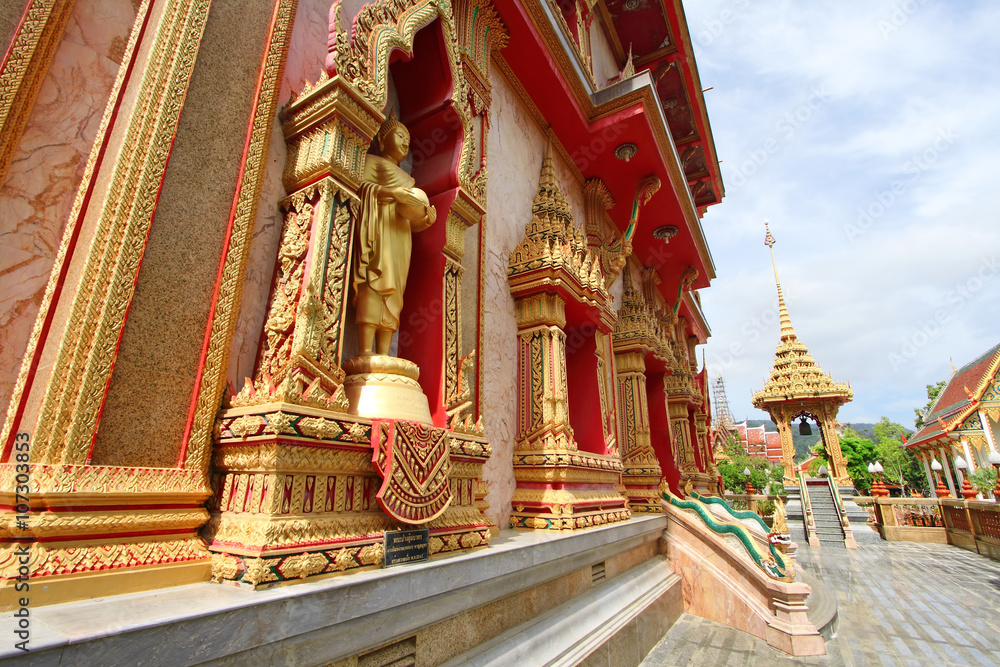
(868, 134)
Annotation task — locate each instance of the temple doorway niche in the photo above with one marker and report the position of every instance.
(583, 390)
(420, 87)
(659, 429)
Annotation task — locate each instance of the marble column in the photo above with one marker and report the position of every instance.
(927, 471)
(946, 464)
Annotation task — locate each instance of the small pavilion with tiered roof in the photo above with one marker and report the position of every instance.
(964, 421)
(798, 388)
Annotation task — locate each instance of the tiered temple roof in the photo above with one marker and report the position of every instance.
(973, 388)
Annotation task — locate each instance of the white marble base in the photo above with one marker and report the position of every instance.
(569, 633)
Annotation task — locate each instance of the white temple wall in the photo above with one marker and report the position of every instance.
(605, 64)
(516, 146)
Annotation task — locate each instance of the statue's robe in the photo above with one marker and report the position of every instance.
(382, 246)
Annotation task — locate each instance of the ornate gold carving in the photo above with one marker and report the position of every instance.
(47, 525)
(573, 522)
(60, 264)
(31, 50)
(554, 250)
(51, 559)
(74, 479)
(68, 414)
(226, 309)
(328, 130)
(610, 247)
(361, 56)
(277, 499)
(299, 360)
(455, 400)
(480, 32)
(601, 232)
(639, 328)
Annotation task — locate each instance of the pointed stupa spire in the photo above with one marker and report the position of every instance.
(787, 332)
(550, 200)
(795, 375)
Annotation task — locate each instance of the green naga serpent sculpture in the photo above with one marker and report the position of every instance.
(772, 562)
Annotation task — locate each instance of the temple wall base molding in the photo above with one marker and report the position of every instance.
(304, 493)
(99, 528)
(416, 607)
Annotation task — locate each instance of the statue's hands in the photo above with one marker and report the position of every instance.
(432, 214)
(405, 196)
(386, 194)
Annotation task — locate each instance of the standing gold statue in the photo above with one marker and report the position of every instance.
(391, 208)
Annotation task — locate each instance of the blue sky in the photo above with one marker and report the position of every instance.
(868, 133)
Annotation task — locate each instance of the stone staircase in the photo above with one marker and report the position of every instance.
(829, 528)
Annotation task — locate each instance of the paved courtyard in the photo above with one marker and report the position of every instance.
(899, 604)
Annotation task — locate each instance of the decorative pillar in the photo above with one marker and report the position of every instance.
(677, 407)
(838, 465)
(559, 485)
(988, 430)
(782, 422)
(968, 455)
(638, 338)
(959, 476)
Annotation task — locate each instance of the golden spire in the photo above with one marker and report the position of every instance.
(550, 200)
(787, 332)
(795, 375)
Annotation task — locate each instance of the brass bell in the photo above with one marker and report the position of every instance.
(804, 428)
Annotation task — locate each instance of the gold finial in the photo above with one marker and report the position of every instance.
(787, 332)
(629, 69)
(953, 369)
(768, 239)
(549, 199)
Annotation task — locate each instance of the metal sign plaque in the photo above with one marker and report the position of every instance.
(406, 546)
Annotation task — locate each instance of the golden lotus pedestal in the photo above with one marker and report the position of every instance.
(384, 387)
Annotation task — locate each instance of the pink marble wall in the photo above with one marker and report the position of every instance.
(36, 197)
(516, 148)
(306, 53)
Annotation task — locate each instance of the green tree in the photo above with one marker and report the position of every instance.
(985, 480)
(900, 464)
(933, 391)
(858, 453)
(764, 475)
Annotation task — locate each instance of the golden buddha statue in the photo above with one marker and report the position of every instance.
(391, 208)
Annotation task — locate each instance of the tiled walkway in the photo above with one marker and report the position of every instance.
(899, 604)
